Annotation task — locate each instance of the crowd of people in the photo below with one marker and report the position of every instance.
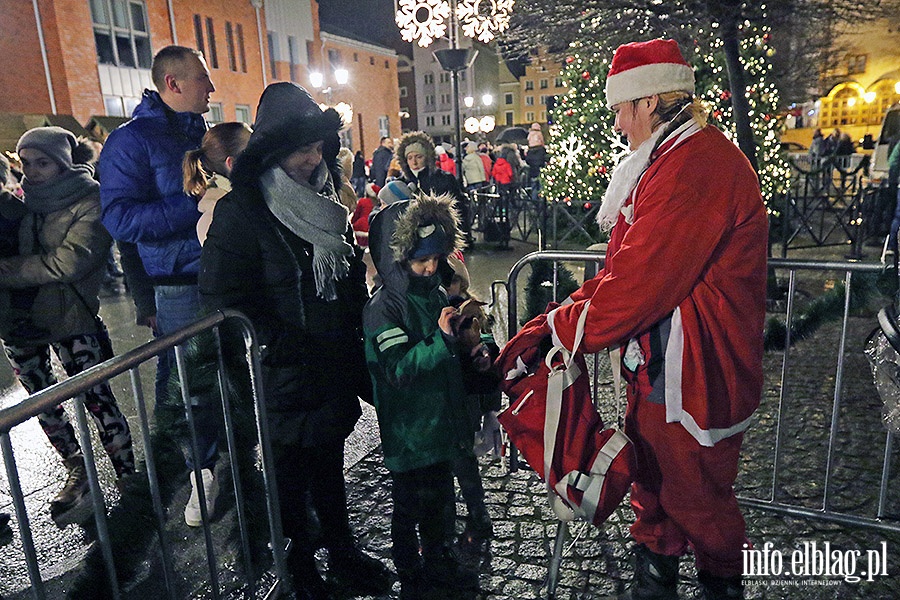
(272, 221)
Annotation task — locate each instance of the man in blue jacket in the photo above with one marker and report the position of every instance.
(143, 203)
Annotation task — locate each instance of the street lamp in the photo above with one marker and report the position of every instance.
(425, 21)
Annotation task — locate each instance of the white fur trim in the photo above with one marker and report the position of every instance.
(647, 80)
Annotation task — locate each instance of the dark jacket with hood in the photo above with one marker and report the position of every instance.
(312, 350)
(430, 180)
(416, 374)
(141, 192)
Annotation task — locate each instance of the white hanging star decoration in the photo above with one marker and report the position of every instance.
(484, 24)
(426, 31)
(572, 150)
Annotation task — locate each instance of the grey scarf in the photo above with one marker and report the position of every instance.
(314, 217)
(70, 186)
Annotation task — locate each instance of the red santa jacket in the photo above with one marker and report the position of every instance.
(684, 286)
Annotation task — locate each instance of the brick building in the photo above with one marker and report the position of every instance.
(91, 58)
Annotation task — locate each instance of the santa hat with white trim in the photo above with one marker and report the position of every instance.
(646, 68)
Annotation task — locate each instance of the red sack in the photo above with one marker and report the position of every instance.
(553, 423)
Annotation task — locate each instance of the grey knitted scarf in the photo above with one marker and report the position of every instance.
(62, 191)
(314, 216)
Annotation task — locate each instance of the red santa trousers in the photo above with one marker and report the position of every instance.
(695, 502)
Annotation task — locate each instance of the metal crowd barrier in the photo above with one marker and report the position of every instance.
(880, 521)
(73, 387)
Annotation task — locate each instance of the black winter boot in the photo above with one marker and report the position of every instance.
(720, 588)
(358, 571)
(655, 577)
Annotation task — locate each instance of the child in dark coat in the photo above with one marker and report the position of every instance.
(412, 351)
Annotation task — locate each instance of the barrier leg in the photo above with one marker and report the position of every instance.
(555, 560)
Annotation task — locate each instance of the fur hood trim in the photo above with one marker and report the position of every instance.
(427, 210)
(409, 138)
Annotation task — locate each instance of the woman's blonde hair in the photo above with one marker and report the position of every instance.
(670, 104)
(219, 143)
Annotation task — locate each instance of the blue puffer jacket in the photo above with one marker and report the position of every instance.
(141, 189)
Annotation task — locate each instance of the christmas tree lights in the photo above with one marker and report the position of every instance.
(583, 148)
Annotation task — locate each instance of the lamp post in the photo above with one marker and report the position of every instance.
(424, 20)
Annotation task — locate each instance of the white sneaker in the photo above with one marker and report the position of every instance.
(192, 515)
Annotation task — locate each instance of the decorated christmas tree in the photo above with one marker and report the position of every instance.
(583, 148)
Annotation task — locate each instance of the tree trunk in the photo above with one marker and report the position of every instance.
(739, 104)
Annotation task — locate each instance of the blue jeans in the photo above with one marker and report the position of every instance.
(177, 306)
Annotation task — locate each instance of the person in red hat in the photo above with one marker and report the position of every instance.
(682, 298)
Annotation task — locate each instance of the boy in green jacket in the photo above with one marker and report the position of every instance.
(411, 350)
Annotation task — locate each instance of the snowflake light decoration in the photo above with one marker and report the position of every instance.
(484, 24)
(426, 31)
(572, 149)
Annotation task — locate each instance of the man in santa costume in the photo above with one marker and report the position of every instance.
(682, 298)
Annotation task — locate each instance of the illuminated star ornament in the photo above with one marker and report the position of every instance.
(477, 22)
(572, 148)
(433, 26)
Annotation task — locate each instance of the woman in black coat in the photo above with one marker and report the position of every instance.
(280, 249)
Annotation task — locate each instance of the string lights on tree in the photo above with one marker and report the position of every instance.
(584, 149)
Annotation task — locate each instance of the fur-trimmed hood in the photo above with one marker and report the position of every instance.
(427, 210)
(422, 138)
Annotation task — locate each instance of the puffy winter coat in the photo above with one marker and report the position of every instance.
(312, 350)
(502, 172)
(73, 248)
(416, 374)
(141, 189)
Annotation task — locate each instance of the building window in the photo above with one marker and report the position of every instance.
(387, 65)
(273, 54)
(215, 114)
(113, 106)
(543, 84)
(124, 39)
(507, 98)
(462, 75)
(429, 78)
(558, 82)
(856, 64)
(529, 85)
(372, 60)
(529, 116)
(242, 114)
(445, 119)
(529, 100)
(242, 56)
(429, 121)
(445, 77)
(384, 126)
(543, 115)
(334, 58)
(211, 36)
(229, 46)
(293, 57)
(355, 57)
(508, 118)
(198, 34)
(403, 91)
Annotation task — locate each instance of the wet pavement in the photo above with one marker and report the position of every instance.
(514, 565)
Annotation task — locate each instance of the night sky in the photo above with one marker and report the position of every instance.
(371, 20)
